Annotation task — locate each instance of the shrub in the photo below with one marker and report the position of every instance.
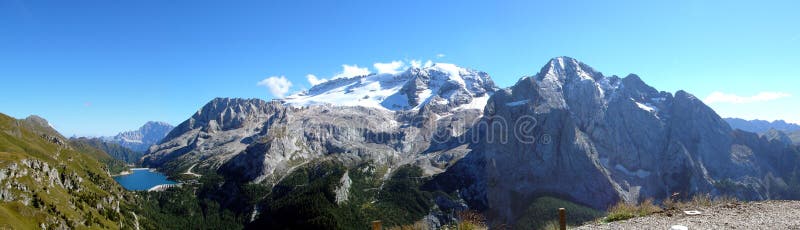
(621, 211)
(624, 211)
(698, 200)
(419, 225)
(469, 220)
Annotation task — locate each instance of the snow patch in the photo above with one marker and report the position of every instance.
(638, 173)
(647, 107)
(476, 103)
(518, 103)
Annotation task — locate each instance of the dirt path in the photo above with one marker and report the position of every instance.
(749, 215)
(189, 171)
(136, 221)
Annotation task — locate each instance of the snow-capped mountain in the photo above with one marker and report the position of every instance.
(443, 86)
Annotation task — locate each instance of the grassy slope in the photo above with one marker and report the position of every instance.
(19, 140)
(113, 165)
(114, 150)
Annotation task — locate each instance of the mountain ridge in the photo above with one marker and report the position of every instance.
(761, 126)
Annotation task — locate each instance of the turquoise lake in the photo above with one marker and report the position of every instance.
(142, 179)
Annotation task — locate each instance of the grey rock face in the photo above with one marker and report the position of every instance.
(221, 128)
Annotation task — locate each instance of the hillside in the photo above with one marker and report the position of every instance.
(48, 182)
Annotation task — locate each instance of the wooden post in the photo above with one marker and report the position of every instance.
(376, 225)
(562, 219)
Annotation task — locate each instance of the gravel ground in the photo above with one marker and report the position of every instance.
(750, 215)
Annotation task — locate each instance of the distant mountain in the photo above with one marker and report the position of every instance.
(761, 126)
(113, 149)
(140, 140)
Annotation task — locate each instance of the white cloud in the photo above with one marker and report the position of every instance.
(419, 64)
(720, 97)
(351, 71)
(390, 68)
(314, 80)
(277, 85)
(416, 63)
(440, 55)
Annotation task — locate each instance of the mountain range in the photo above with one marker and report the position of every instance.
(780, 130)
(761, 126)
(568, 132)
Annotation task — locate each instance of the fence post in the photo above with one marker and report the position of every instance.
(562, 219)
(376, 225)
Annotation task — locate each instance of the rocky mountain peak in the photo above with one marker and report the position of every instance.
(567, 69)
(37, 120)
(43, 127)
(225, 114)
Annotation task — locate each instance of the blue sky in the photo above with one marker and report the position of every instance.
(100, 67)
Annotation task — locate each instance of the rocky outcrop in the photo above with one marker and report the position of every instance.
(343, 190)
